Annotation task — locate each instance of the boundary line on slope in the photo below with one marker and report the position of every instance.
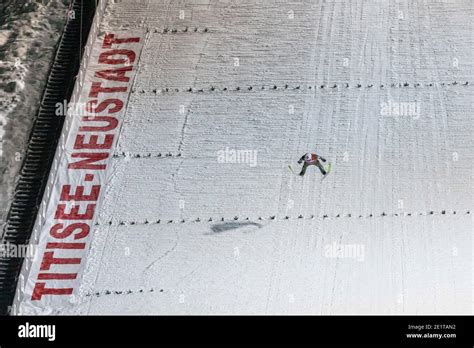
(297, 87)
(283, 218)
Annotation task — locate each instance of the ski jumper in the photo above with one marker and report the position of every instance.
(311, 159)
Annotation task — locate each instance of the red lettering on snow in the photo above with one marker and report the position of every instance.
(112, 123)
(49, 259)
(80, 143)
(104, 57)
(40, 290)
(79, 194)
(103, 105)
(114, 74)
(48, 276)
(97, 88)
(74, 214)
(90, 157)
(110, 39)
(83, 227)
(65, 245)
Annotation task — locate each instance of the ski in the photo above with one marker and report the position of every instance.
(328, 170)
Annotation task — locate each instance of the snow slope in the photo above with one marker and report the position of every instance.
(180, 232)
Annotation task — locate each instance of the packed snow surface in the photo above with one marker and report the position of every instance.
(202, 213)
